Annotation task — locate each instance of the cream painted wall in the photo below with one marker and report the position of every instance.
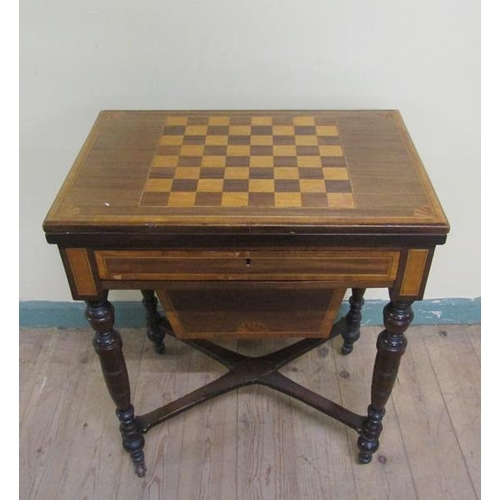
(422, 58)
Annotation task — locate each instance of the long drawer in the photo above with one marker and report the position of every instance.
(337, 265)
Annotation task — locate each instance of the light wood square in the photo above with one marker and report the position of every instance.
(177, 120)
(236, 173)
(239, 130)
(216, 140)
(309, 161)
(327, 130)
(210, 185)
(331, 151)
(340, 200)
(261, 140)
(284, 151)
(283, 130)
(171, 140)
(312, 186)
(218, 120)
(196, 130)
(234, 199)
(158, 185)
(304, 121)
(262, 120)
(213, 161)
(287, 200)
(191, 150)
(261, 185)
(187, 173)
(237, 150)
(286, 173)
(165, 161)
(335, 173)
(306, 140)
(261, 161)
(181, 199)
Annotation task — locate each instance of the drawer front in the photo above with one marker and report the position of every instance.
(342, 265)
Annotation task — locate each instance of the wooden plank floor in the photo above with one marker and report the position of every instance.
(254, 443)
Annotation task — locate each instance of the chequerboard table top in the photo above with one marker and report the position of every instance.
(164, 169)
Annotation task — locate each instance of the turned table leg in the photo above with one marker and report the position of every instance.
(353, 318)
(108, 345)
(155, 322)
(391, 344)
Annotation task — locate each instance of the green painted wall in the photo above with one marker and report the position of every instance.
(130, 314)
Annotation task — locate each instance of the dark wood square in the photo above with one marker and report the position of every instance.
(283, 140)
(239, 140)
(208, 199)
(261, 150)
(154, 199)
(198, 140)
(174, 130)
(287, 185)
(332, 161)
(197, 120)
(168, 150)
(261, 173)
(307, 150)
(212, 173)
(189, 161)
(238, 161)
(262, 130)
(217, 130)
(333, 186)
(310, 173)
(215, 150)
(261, 199)
(305, 130)
(328, 140)
(162, 173)
(235, 185)
(184, 185)
(316, 200)
(285, 161)
(240, 120)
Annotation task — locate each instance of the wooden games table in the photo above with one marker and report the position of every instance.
(248, 224)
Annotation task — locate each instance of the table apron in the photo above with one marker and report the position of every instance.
(92, 271)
